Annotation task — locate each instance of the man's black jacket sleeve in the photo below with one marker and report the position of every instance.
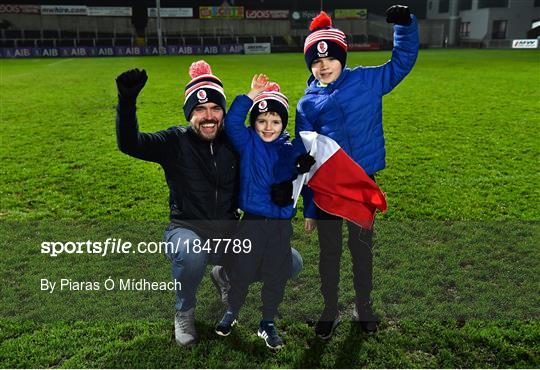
(147, 146)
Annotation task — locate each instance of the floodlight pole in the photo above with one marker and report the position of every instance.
(158, 24)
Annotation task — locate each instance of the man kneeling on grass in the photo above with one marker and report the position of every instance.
(201, 170)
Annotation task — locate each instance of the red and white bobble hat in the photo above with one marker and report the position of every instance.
(325, 41)
(204, 87)
(270, 100)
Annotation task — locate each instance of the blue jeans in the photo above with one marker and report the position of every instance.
(188, 267)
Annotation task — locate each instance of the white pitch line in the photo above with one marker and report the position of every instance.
(59, 61)
(33, 72)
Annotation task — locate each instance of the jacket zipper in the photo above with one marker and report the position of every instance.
(343, 127)
(217, 179)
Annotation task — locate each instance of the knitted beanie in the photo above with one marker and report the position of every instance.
(203, 88)
(324, 41)
(270, 100)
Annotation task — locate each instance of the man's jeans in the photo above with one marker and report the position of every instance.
(188, 267)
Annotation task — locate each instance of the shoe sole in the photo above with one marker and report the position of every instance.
(226, 334)
(357, 321)
(334, 326)
(267, 345)
(368, 332)
(187, 345)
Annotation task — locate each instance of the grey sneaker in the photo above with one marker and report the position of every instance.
(184, 327)
(221, 282)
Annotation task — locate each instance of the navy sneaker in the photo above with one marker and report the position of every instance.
(224, 327)
(327, 324)
(267, 331)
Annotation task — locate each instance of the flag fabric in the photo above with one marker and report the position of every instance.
(340, 186)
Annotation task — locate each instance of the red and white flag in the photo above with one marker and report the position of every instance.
(340, 186)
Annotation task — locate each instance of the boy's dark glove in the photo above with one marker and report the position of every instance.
(398, 14)
(304, 163)
(130, 84)
(281, 193)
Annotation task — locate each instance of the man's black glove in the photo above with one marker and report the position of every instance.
(398, 14)
(304, 163)
(130, 84)
(282, 193)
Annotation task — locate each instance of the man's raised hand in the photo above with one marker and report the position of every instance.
(398, 14)
(130, 83)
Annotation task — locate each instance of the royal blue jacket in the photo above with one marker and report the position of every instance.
(262, 164)
(349, 110)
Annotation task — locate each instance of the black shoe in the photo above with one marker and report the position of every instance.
(267, 331)
(364, 315)
(224, 327)
(325, 327)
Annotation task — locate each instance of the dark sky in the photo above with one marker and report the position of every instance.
(375, 6)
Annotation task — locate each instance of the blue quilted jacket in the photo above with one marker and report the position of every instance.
(349, 110)
(261, 164)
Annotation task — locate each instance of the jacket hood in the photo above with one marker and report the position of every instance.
(281, 139)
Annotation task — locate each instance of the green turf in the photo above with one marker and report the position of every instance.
(456, 258)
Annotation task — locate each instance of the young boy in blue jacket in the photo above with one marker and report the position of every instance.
(346, 105)
(266, 160)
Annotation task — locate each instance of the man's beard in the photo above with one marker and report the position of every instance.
(200, 131)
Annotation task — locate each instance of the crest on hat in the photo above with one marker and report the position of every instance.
(322, 47)
(201, 95)
(263, 106)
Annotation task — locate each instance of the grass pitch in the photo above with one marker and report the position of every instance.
(456, 255)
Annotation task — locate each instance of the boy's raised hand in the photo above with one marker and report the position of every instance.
(258, 85)
(398, 14)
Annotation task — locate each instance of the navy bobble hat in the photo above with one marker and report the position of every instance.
(270, 100)
(325, 41)
(203, 88)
